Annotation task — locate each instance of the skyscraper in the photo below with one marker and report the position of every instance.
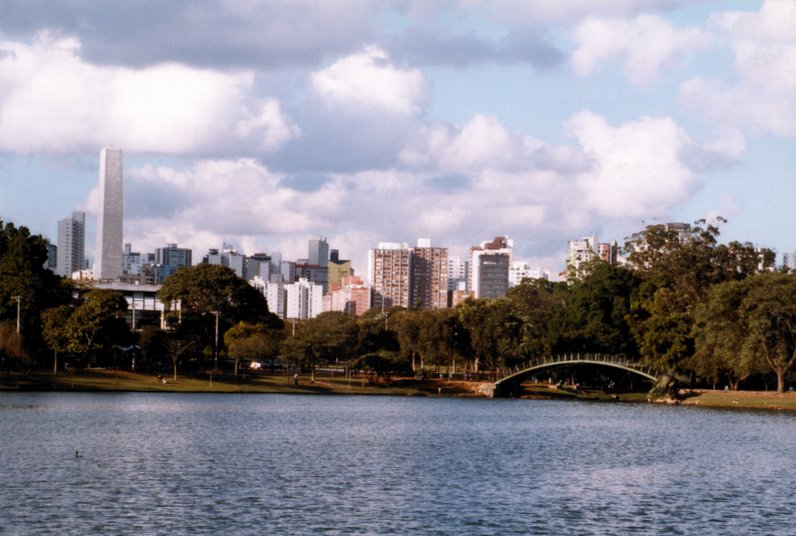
(108, 263)
(71, 244)
(318, 252)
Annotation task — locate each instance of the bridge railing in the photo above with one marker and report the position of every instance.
(575, 358)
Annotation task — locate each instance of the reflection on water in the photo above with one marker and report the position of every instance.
(264, 464)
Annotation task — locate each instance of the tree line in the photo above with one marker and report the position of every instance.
(683, 302)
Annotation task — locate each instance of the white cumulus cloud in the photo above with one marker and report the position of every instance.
(52, 101)
(637, 169)
(763, 100)
(648, 44)
(368, 80)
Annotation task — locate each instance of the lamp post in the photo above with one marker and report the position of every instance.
(215, 346)
(19, 300)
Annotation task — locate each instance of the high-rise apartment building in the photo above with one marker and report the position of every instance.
(390, 273)
(304, 299)
(110, 218)
(71, 244)
(588, 249)
(521, 270)
(458, 274)
(489, 268)
(429, 276)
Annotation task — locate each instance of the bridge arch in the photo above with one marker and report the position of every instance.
(508, 384)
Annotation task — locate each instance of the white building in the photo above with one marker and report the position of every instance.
(520, 270)
(304, 299)
(110, 218)
(489, 268)
(274, 292)
(458, 273)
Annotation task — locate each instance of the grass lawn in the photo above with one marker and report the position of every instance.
(741, 399)
(110, 380)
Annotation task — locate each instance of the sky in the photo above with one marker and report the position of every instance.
(264, 123)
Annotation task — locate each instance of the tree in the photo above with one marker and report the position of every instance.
(474, 316)
(55, 328)
(406, 325)
(23, 275)
(769, 314)
(207, 294)
(253, 342)
(11, 344)
(327, 338)
(539, 303)
(98, 323)
(597, 312)
(678, 267)
(720, 334)
(745, 324)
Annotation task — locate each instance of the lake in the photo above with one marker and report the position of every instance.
(275, 464)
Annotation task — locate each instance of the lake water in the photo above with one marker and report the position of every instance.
(271, 464)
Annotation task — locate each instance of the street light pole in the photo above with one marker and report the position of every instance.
(215, 347)
(19, 300)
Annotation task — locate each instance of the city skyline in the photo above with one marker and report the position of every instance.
(457, 121)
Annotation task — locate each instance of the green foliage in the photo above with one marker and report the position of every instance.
(382, 366)
(678, 269)
(597, 312)
(22, 273)
(253, 342)
(98, 323)
(211, 297)
(11, 345)
(769, 315)
(328, 338)
(720, 335)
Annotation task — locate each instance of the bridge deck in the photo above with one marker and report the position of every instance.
(518, 372)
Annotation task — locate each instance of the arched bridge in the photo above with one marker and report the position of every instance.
(507, 385)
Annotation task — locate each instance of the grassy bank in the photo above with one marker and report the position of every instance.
(740, 399)
(109, 380)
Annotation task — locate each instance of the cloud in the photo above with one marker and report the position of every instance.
(367, 80)
(204, 33)
(53, 101)
(357, 113)
(637, 169)
(763, 100)
(219, 200)
(427, 45)
(648, 44)
(524, 13)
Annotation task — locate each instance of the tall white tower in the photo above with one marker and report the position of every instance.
(108, 264)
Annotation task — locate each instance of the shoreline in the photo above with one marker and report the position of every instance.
(104, 380)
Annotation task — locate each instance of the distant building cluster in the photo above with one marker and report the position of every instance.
(420, 276)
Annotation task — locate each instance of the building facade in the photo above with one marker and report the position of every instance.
(171, 258)
(458, 274)
(71, 244)
(429, 278)
(303, 299)
(489, 268)
(390, 273)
